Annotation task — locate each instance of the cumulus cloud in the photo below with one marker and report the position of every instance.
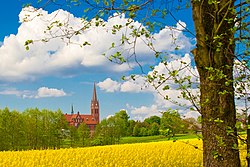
(142, 112)
(42, 92)
(129, 86)
(56, 57)
(140, 85)
(160, 104)
(191, 114)
(49, 92)
(136, 86)
(173, 38)
(109, 85)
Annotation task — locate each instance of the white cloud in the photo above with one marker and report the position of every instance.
(109, 116)
(172, 38)
(142, 112)
(42, 92)
(49, 92)
(109, 85)
(137, 85)
(159, 103)
(56, 57)
(191, 114)
(128, 86)
(15, 92)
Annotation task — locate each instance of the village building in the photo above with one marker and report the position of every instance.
(75, 119)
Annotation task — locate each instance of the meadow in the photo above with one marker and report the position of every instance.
(180, 153)
(157, 138)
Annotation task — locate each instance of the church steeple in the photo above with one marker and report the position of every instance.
(72, 109)
(95, 105)
(94, 97)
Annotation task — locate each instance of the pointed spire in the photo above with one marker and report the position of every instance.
(72, 109)
(94, 98)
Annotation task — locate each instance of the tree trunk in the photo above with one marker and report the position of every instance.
(214, 58)
(218, 119)
(248, 142)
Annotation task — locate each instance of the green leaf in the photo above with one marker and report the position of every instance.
(123, 78)
(28, 42)
(86, 10)
(166, 97)
(217, 120)
(133, 77)
(235, 147)
(85, 43)
(101, 13)
(174, 73)
(106, 3)
(60, 24)
(166, 87)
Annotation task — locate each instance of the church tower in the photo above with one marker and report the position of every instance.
(95, 106)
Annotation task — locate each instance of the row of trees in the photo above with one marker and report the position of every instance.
(42, 129)
(31, 129)
(110, 130)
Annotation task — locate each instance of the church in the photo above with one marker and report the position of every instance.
(75, 119)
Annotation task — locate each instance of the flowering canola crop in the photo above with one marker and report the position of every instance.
(182, 153)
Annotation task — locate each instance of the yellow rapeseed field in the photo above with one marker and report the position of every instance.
(182, 153)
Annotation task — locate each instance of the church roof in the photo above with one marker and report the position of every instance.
(87, 119)
(93, 119)
(68, 117)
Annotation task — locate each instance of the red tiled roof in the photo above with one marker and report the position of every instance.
(87, 119)
(68, 117)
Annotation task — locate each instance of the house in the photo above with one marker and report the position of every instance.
(75, 119)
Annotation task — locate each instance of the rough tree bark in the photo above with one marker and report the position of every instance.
(214, 57)
(248, 143)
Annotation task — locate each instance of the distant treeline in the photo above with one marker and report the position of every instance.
(43, 129)
(110, 130)
(31, 129)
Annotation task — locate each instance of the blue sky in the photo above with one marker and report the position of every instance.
(55, 75)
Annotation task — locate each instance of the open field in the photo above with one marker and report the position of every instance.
(181, 153)
(146, 139)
